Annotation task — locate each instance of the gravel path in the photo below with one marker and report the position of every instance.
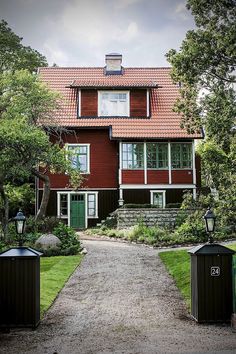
(120, 300)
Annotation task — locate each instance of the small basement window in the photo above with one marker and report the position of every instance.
(158, 198)
(113, 103)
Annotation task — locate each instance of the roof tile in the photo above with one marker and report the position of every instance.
(163, 123)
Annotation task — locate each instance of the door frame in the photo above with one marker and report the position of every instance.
(85, 209)
(67, 217)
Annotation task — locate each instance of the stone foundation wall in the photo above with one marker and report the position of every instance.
(149, 217)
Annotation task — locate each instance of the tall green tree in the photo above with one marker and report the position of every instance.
(205, 68)
(26, 150)
(27, 108)
(14, 55)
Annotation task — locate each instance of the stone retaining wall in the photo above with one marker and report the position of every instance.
(148, 216)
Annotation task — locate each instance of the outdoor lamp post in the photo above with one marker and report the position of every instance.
(20, 225)
(210, 219)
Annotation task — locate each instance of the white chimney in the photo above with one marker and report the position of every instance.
(113, 64)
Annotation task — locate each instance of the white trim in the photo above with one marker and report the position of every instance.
(80, 190)
(120, 162)
(194, 193)
(113, 91)
(121, 200)
(148, 109)
(159, 191)
(145, 161)
(161, 186)
(169, 162)
(79, 103)
(69, 193)
(88, 155)
(193, 163)
(96, 205)
(58, 204)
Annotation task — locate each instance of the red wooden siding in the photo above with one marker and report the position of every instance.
(132, 176)
(89, 103)
(157, 177)
(138, 103)
(103, 160)
(182, 176)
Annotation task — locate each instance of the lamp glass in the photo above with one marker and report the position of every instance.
(210, 224)
(20, 226)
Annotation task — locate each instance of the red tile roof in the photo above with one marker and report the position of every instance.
(163, 123)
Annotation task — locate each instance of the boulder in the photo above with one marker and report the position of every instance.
(48, 241)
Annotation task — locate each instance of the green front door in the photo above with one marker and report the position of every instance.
(77, 211)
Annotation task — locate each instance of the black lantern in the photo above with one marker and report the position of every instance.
(210, 219)
(20, 225)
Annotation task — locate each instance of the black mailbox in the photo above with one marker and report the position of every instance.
(211, 283)
(20, 288)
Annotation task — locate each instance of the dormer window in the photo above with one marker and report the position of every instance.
(113, 104)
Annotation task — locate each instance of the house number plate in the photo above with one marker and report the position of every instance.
(215, 271)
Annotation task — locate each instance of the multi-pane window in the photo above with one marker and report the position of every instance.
(113, 103)
(132, 156)
(91, 205)
(181, 155)
(79, 157)
(63, 205)
(157, 155)
(158, 199)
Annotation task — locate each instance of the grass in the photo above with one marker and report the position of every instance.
(54, 272)
(178, 265)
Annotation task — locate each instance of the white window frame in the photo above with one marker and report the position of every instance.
(122, 161)
(158, 168)
(163, 192)
(96, 205)
(100, 92)
(179, 143)
(88, 155)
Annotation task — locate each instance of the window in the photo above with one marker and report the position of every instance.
(113, 103)
(158, 198)
(63, 205)
(92, 205)
(79, 157)
(157, 155)
(132, 156)
(181, 155)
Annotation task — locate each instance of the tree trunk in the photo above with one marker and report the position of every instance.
(46, 194)
(5, 213)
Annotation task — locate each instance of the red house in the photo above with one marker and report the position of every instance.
(125, 139)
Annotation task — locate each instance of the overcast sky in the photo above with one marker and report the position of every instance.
(81, 32)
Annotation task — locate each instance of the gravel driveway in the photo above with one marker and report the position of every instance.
(120, 300)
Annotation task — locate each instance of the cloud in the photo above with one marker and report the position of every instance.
(123, 4)
(54, 53)
(182, 11)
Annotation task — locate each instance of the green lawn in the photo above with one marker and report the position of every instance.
(178, 265)
(54, 272)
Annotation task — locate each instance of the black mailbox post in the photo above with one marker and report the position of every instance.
(20, 288)
(211, 283)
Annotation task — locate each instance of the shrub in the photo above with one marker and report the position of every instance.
(45, 225)
(138, 206)
(69, 241)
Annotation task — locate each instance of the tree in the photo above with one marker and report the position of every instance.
(27, 107)
(14, 55)
(205, 68)
(206, 59)
(27, 150)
